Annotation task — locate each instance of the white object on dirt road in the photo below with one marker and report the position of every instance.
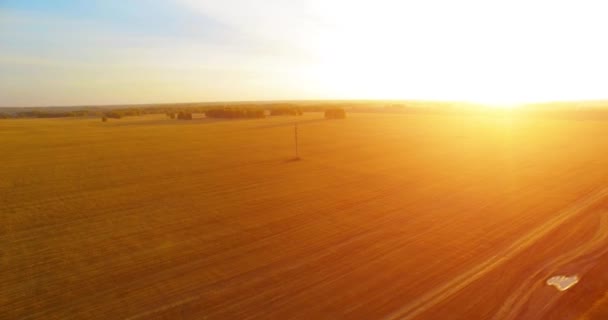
(562, 283)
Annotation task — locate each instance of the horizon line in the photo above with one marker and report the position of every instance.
(269, 101)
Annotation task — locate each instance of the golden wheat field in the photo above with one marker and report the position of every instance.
(385, 216)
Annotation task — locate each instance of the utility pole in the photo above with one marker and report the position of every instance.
(295, 136)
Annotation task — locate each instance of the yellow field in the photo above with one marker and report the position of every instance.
(385, 216)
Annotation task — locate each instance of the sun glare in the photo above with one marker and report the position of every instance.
(375, 52)
(499, 53)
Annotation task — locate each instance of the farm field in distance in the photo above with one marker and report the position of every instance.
(386, 216)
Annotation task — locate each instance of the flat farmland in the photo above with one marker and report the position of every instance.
(384, 217)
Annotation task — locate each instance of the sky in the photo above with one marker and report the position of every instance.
(87, 52)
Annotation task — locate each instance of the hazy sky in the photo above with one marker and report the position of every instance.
(65, 52)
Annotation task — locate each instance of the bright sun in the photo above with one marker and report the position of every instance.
(375, 52)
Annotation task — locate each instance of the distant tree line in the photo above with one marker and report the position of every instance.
(49, 114)
(235, 113)
(184, 115)
(286, 111)
(121, 113)
(129, 112)
(112, 114)
(54, 113)
(567, 110)
(228, 110)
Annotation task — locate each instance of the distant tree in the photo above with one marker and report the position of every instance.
(184, 115)
(43, 114)
(104, 119)
(171, 115)
(286, 111)
(235, 113)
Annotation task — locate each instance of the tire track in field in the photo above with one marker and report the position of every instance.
(442, 292)
(588, 252)
(163, 308)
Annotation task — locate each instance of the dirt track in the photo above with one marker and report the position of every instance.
(527, 293)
